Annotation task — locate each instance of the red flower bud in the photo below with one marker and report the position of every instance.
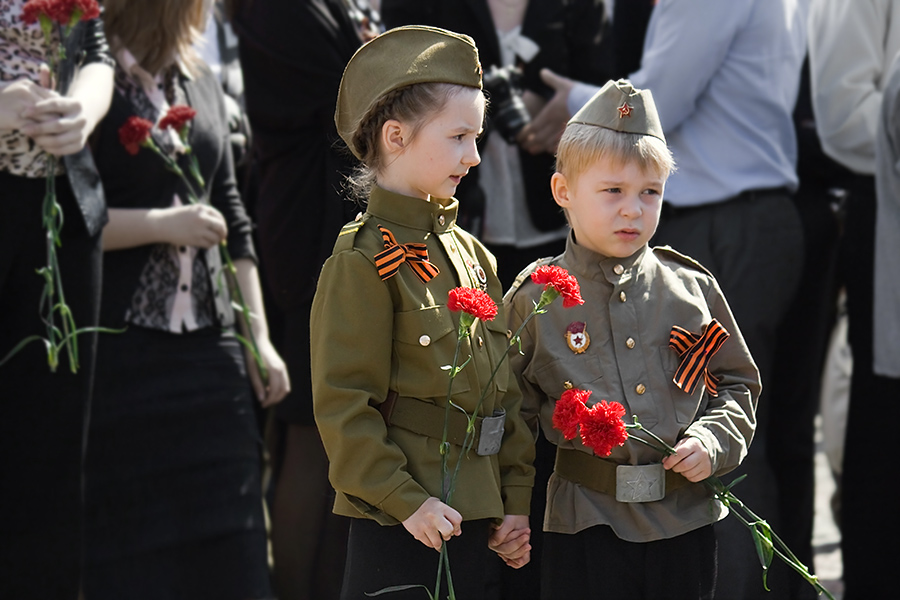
(560, 280)
(474, 302)
(135, 133)
(177, 117)
(61, 11)
(602, 427)
(568, 410)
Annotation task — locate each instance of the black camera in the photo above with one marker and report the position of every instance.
(507, 109)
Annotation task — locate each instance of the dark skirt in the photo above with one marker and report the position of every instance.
(174, 505)
(594, 563)
(383, 556)
(42, 415)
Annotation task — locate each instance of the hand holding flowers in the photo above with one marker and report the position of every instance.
(602, 429)
(200, 224)
(433, 523)
(59, 126)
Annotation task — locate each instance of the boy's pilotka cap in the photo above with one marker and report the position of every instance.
(621, 107)
(397, 58)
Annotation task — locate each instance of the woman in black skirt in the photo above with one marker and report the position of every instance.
(174, 493)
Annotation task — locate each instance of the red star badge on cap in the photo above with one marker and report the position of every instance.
(625, 110)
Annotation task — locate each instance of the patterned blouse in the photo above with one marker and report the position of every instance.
(22, 51)
(174, 292)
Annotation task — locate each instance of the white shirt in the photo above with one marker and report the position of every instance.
(724, 76)
(851, 45)
(506, 220)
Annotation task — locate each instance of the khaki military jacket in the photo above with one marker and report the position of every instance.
(370, 337)
(630, 307)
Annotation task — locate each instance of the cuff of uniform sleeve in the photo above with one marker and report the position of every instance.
(711, 443)
(405, 500)
(517, 500)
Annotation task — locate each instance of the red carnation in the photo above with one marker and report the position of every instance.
(602, 427)
(568, 410)
(33, 9)
(64, 12)
(473, 302)
(177, 117)
(134, 134)
(70, 10)
(551, 276)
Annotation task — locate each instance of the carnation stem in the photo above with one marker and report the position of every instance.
(52, 219)
(248, 339)
(446, 488)
(724, 494)
(470, 429)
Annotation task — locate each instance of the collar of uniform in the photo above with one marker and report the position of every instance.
(594, 265)
(438, 215)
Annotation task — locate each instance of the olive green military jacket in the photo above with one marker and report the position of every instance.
(371, 336)
(630, 306)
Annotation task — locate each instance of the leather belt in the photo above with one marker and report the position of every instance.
(427, 419)
(628, 483)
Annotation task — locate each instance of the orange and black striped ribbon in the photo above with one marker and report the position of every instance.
(414, 254)
(696, 352)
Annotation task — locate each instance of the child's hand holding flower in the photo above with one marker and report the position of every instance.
(691, 459)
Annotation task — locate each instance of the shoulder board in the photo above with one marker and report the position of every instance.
(684, 259)
(347, 235)
(525, 274)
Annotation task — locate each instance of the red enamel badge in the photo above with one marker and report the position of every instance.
(577, 338)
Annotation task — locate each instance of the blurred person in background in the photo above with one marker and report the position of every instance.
(45, 415)
(173, 477)
(293, 54)
(851, 48)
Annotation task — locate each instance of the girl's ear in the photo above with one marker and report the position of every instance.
(559, 186)
(392, 136)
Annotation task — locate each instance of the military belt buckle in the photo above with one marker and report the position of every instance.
(491, 434)
(640, 483)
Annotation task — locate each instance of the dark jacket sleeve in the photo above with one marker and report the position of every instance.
(223, 192)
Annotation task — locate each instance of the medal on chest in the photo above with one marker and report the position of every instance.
(477, 273)
(577, 337)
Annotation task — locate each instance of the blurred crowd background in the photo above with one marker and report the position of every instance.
(781, 117)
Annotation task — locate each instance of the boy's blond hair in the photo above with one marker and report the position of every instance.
(582, 145)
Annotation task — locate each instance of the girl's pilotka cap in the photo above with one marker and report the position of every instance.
(397, 58)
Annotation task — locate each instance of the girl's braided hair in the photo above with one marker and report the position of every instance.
(412, 104)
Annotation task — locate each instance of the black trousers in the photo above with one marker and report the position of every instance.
(380, 557)
(868, 527)
(43, 416)
(594, 563)
(802, 343)
(753, 245)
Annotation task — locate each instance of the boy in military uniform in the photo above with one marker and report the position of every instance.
(410, 107)
(645, 532)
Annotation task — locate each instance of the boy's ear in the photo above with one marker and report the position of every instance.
(392, 135)
(559, 186)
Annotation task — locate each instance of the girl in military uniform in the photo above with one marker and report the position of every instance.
(410, 107)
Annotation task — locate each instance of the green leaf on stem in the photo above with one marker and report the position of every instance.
(401, 588)
(22, 344)
(736, 481)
